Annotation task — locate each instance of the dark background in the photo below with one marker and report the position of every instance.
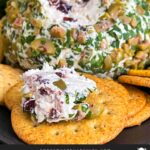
(2, 7)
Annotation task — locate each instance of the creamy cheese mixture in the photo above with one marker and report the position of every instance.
(56, 95)
(72, 12)
(116, 42)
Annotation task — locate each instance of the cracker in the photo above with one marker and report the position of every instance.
(141, 73)
(1, 87)
(13, 95)
(142, 116)
(136, 102)
(19, 70)
(8, 77)
(97, 130)
(118, 89)
(134, 80)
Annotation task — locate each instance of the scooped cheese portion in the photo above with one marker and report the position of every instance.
(56, 95)
(72, 12)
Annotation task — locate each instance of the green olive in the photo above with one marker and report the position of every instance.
(81, 38)
(144, 46)
(135, 63)
(60, 84)
(116, 10)
(140, 10)
(141, 65)
(117, 56)
(129, 52)
(62, 63)
(141, 55)
(133, 22)
(134, 41)
(36, 23)
(57, 32)
(125, 19)
(43, 45)
(74, 33)
(128, 63)
(108, 63)
(12, 11)
(105, 16)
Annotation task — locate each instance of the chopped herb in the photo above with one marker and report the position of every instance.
(79, 99)
(126, 36)
(89, 42)
(28, 39)
(85, 108)
(89, 114)
(97, 61)
(67, 98)
(43, 41)
(115, 44)
(126, 27)
(28, 26)
(76, 48)
(35, 53)
(116, 28)
(71, 115)
(99, 37)
(111, 33)
(70, 62)
(68, 41)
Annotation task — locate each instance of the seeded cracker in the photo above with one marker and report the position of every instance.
(134, 80)
(142, 116)
(97, 130)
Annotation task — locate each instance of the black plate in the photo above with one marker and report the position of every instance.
(135, 135)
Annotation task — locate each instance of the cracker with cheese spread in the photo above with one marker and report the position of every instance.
(95, 115)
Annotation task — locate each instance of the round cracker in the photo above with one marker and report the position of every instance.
(142, 116)
(100, 129)
(141, 73)
(136, 102)
(1, 87)
(13, 95)
(118, 89)
(10, 77)
(134, 80)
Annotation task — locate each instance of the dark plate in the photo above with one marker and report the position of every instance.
(135, 135)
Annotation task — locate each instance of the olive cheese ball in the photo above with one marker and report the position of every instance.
(102, 37)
